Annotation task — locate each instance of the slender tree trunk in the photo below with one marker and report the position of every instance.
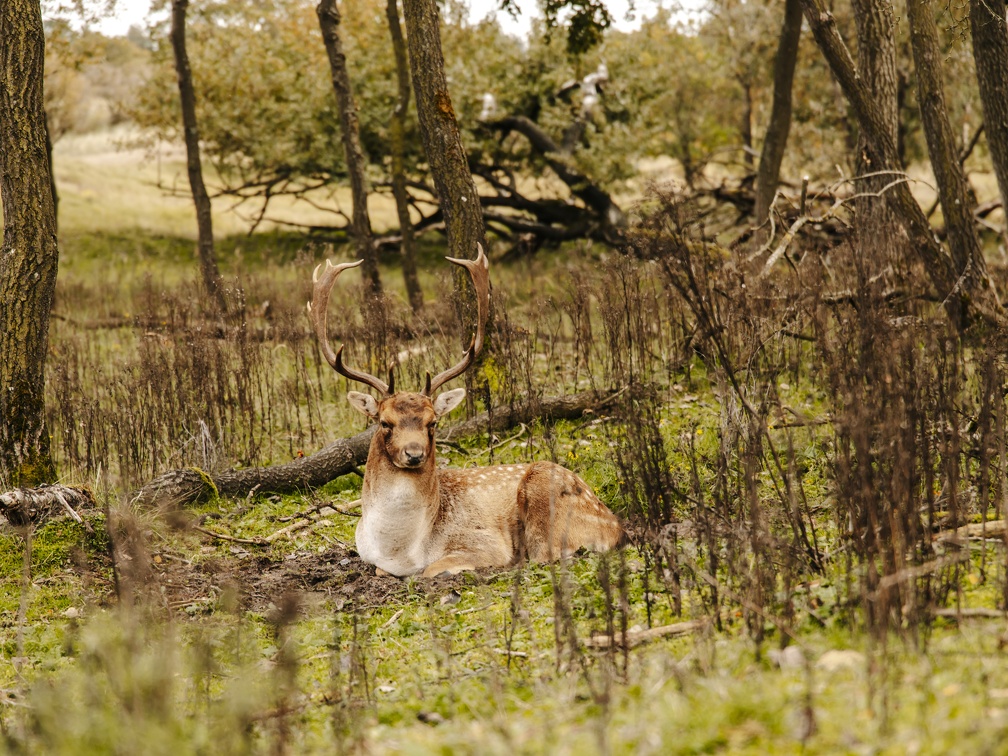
(187, 96)
(52, 174)
(745, 126)
(397, 137)
(440, 133)
(953, 191)
(876, 65)
(775, 141)
(963, 298)
(29, 256)
(990, 53)
(360, 223)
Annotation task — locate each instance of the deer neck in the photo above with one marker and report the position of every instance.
(399, 510)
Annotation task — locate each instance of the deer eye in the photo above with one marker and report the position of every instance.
(386, 425)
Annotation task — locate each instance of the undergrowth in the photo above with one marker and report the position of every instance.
(793, 455)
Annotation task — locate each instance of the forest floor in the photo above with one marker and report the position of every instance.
(252, 625)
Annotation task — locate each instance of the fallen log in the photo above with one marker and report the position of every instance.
(33, 506)
(989, 529)
(636, 637)
(177, 488)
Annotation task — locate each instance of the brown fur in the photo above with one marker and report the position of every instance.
(464, 519)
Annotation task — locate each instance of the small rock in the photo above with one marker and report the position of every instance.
(451, 598)
(787, 658)
(386, 688)
(836, 659)
(430, 717)
(72, 613)
(344, 561)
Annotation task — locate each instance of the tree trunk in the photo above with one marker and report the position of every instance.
(953, 191)
(360, 223)
(397, 137)
(29, 256)
(962, 299)
(775, 141)
(187, 96)
(454, 183)
(876, 65)
(990, 53)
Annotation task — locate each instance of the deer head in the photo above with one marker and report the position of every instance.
(407, 420)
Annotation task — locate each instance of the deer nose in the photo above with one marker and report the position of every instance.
(414, 455)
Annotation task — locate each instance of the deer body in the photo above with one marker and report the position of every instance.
(416, 518)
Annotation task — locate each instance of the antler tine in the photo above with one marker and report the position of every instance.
(479, 273)
(322, 286)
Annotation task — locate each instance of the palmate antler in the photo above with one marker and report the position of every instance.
(322, 288)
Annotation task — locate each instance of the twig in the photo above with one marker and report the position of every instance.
(635, 637)
(391, 620)
(521, 432)
(231, 538)
(920, 570)
(292, 528)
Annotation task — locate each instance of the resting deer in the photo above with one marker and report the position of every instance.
(416, 518)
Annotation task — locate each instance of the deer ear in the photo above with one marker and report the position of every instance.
(363, 403)
(448, 401)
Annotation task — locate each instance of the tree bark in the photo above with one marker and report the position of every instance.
(953, 191)
(29, 257)
(775, 140)
(187, 486)
(360, 222)
(876, 65)
(397, 138)
(439, 130)
(990, 53)
(963, 299)
(187, 97)
(745, 125)
(33, 506)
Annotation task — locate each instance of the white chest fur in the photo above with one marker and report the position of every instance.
(394, 530)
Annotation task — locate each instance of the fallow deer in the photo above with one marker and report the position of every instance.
(417, 518)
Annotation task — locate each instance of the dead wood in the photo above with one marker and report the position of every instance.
(33, 506)
(989, 529)
(190, 485)
(968, 613)
(636, 637)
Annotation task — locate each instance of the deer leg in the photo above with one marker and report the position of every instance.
(452, 564)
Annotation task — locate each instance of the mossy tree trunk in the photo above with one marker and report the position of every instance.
(439, 130)
(876, 65)
(397, 138)
(29, 256)
(775, 140)
(187, 97)
(964, 296)
(990, 53)
(953, 191)
(360, 222)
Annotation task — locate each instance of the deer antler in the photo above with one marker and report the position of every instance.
(479, 273)
(321, 288)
